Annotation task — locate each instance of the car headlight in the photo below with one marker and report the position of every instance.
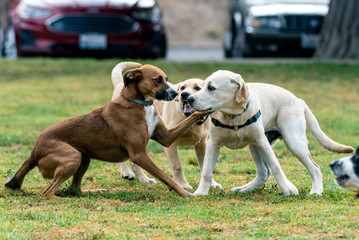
(150, 14)
(26, 11)
(266, 22)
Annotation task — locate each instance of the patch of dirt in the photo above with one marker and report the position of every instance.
(194, 23)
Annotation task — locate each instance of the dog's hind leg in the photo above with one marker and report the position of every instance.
(79, 174)
(176, 166)
(126, 173)
(266, 153)
(60, 165)
(293, 129)
(16, 181)
(262, 176)
(298, 145)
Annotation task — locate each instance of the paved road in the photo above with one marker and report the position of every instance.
(195, 54)
(188, 54)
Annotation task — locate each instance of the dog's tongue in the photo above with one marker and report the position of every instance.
(187, 110)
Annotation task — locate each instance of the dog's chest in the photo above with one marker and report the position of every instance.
(233, 139)
(151, 119)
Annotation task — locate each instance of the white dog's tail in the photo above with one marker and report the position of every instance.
(117, 78)
(320, 136)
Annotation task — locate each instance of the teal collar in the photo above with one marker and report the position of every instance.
(245, 109)
(144, 103)
(248, 122)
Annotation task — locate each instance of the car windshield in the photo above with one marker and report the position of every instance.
(263, 2)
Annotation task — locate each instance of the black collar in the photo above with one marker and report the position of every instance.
(248, 122)
(201, 122)
(144, 103)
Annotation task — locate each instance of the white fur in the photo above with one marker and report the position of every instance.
(151, 119)
(281, 111)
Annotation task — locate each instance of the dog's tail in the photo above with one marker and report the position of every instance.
(116, 75)
(320, 136)
(16, 181)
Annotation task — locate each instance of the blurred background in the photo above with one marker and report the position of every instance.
(180, 30)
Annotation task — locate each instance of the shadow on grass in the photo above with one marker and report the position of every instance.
(269, 194)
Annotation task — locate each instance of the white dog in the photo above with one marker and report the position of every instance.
(251, 114)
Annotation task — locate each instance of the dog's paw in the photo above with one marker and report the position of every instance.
(289, 189)
(243, 189)
(249, 187)
(199, 193)
(146, 179)
(316, 191)
(185, 185)
(128, 176)
(216, 185)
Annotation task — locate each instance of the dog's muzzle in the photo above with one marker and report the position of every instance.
(168, 95)
(337, 169)
(187, 109)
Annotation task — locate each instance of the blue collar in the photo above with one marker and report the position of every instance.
(144, 103)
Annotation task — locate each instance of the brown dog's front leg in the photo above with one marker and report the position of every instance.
(166, 136)
(143, 160)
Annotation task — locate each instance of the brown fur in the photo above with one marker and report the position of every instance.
(113, 133)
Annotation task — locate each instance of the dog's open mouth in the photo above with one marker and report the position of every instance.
(187, 109)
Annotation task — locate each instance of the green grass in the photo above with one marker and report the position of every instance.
(36, 93)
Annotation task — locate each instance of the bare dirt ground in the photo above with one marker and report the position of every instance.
(194, 23)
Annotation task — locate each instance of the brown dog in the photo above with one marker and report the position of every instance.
(114, 132)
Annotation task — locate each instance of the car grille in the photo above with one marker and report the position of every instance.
(91, 24)
(303, 23)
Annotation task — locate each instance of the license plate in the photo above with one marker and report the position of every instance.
(309, 41)
(93, 41)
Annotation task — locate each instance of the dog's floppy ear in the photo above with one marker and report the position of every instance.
(131, 76)
(242, 94)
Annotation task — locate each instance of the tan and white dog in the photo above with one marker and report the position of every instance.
(256, 114)
(172, 113)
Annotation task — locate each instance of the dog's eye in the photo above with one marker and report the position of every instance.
(197, 88)
(211, 88)
(158, 80)
(183, 87)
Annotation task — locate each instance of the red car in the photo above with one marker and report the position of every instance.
(89, 28)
